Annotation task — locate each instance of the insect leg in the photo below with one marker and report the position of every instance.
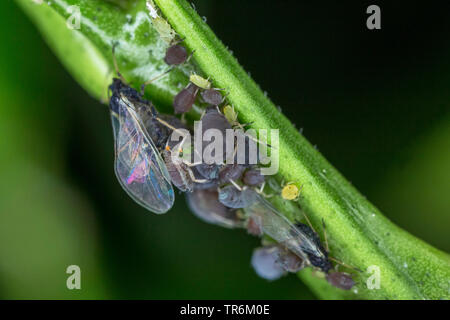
(327, 248)
(236, 185)
(344, 264)
(325, 236)
(261, 192)
(309, 222)
(193, 178)
(189, 57)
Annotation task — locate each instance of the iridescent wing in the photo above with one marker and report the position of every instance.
(138, 164)
(278, 227)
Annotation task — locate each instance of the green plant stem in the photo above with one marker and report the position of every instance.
(358, 233)
(361, 235)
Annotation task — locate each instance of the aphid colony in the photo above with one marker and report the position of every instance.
(228, 194)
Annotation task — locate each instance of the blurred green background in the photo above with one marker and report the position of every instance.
(376, 103)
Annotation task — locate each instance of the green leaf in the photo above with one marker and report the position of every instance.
(358, 233)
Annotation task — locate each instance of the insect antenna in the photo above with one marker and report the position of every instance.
(193, 178)
(241, 127)
(109, 93)
(146, 83)
(328, 250)
(163, 122)
(116, 66)
(178, 41)
(325, 236)
(309, 222)
(344, 264)
(260, 191)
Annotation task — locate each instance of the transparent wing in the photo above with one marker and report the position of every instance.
(278, 227)
(138, 164)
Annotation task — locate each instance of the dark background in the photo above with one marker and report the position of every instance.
(376, 103)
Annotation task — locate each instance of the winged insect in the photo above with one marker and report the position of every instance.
(138, 164)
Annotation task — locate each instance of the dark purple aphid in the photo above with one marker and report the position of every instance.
(253, 177)
(254, 226)
(205, 205)
(179, 172)
(247, 150)
(210, 184)
(184, 100)
(212, 96)
(290, 262)
(264, 263)
(208, 171)
(340, 280)
(213, 119)
(176, 55)
(230, 172)
(231, 197)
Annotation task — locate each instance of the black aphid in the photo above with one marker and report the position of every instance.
(320, 262)
(119, 88)
(184, 100)
(175, 55)
(340, 280)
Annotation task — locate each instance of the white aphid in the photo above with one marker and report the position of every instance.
(264, 263)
